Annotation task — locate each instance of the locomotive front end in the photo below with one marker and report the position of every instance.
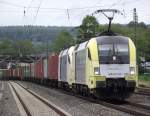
(117, 59)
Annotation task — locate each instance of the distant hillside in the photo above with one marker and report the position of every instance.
(34, 33)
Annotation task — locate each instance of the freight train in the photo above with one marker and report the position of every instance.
(104, 66)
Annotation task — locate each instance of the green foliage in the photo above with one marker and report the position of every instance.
(43, 47)
(7, 48)
(33, 33)
(15, 48)
(144, 80)
(14, 45)
(24, 47)
(141, 24)
(63, 41)
(88, 28)
(39, 35)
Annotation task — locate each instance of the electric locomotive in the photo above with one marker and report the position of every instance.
(104, 66)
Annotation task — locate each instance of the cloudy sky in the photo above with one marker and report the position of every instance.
(68, 12)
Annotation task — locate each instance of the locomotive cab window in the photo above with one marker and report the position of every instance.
(114, 54)
(69, 59)
(89, 54)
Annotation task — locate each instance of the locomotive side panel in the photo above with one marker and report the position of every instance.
(80, 67)
(63, 68)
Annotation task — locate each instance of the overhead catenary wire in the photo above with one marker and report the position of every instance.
(79, 8)
(75, 12)
(35, 17)
(119, 2)
(102, 6)
(33, 7)
(75, 8)
(29, 5)
(12, 4)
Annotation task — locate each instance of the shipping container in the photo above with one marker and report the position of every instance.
(39, 70)
(20, 73)
(10, 73)
(26, 69)
(53, 66)
(32, 69)
(1, 74)
(35, 69)
(45, 66)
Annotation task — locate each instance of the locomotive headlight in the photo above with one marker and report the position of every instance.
(132, 70)
(96, 70)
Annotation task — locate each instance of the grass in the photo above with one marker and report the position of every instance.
(144, 80)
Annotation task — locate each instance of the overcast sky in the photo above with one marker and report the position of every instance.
(54, 12)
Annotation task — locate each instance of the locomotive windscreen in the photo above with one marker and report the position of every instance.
(113, 50)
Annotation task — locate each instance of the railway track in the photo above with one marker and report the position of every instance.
(34, 104)
(127, 106)
(143, 91)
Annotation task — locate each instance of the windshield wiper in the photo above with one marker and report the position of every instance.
(110, 53)
(119, 58)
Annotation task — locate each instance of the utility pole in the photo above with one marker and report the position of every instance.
(135, 19)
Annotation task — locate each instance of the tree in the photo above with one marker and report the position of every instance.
(7, 48)
(20, 47)
(24, 47)
(131, 24)
(63, 41)
(88, 28)
(141, 24)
